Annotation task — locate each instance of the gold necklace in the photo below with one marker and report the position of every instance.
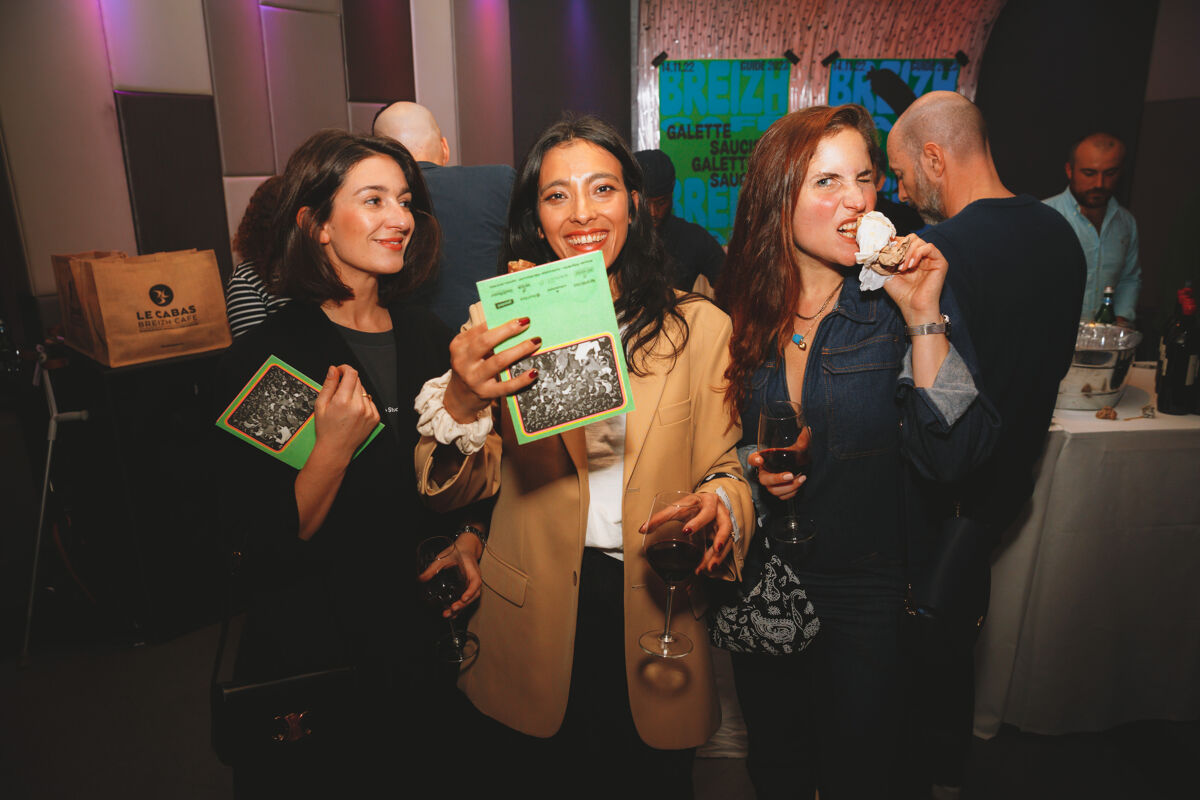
(800, 339)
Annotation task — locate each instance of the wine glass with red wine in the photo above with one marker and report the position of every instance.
(673, 552)
(783, 444)
(441, 590)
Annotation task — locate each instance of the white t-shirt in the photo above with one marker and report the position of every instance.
(606, 473)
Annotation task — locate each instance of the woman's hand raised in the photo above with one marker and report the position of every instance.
(475, 367)
(344, 414)
(917, 284)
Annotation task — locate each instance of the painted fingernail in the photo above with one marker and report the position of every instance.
(533, 373)
(523, 320)
(537, 340)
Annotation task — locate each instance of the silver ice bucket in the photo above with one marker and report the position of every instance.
(1100, 368)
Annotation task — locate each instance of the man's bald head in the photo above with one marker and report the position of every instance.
(938, 150)
(413, 126)
(945, 118)
(1104, 143)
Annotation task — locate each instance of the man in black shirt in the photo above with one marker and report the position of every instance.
(1018, 274)
(692, 250)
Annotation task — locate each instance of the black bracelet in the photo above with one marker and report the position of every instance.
(713, 476)
(475, 529)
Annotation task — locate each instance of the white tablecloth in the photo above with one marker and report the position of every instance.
(1095, 604)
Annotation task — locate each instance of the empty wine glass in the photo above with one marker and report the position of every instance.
(783, 444)
(673, 552)
(441, 590)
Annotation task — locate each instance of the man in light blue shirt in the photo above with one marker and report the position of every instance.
(1107, 232)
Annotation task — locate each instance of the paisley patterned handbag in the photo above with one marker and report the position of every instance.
(772, 616)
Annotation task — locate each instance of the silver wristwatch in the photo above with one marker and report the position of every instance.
(929, 327)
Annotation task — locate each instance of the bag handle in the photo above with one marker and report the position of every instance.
(235, 565)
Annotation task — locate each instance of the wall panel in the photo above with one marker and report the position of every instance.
(1175, 63)
(379, 50)
(173, 164)
(157, 45)
(306, 76)
(239, 76)
(433, 67)
(323, 6)
(568, 57)
(362, 115)
(60, 133)
(483, 72)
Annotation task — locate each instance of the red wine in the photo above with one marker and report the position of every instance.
(783, 459)
(673, 560)
(443, 589)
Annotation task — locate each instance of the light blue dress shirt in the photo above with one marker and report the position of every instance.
(1111, 253)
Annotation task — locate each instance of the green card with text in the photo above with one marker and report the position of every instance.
(582, 375)
(274, 413)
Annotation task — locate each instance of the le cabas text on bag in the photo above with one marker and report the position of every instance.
(122, 310)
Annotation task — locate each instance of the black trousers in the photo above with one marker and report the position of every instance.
(828, 718)
(597, 752)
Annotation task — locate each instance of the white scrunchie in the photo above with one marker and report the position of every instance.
(434, 420)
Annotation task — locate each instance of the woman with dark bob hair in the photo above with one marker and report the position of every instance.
(566, 591)
(884, 394)
(329, 550)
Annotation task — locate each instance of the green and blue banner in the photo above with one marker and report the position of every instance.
(883, 85)
(711, 113)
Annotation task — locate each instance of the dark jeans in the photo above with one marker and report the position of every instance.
(828, 718)
(597, 751)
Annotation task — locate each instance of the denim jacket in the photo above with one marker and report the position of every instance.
(867, 421)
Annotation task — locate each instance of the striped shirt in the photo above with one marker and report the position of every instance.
(247, 301)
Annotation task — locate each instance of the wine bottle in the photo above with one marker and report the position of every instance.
(1106, 314)
(1178, 359)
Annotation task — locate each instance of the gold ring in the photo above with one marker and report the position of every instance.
(366, 395)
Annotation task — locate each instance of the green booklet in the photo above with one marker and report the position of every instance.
(274, 413)
(582, 376)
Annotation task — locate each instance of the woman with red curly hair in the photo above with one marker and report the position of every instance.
(883, 389)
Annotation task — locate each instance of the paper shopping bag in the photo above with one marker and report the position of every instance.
(122, 310)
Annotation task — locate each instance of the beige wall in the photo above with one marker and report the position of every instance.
(484, 81)
(60, 132)
(433, 66)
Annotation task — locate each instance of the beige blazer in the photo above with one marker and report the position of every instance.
(679, 432)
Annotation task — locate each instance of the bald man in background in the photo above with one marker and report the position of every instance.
(1017, 271)
(1107, 232)
(470, 203)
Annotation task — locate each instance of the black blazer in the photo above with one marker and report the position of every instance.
(346, 596)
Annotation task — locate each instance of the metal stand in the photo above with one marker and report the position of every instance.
(42, 373)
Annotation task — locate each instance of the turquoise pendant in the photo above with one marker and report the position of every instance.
(798, 340)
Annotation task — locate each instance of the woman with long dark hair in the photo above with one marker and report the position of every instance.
(566, 591)
(883, 390)
(329, 560)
